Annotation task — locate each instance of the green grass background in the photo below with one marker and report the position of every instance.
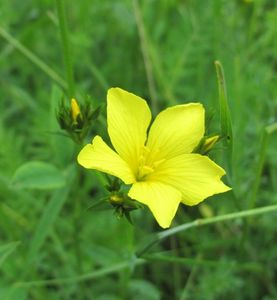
(48, 234)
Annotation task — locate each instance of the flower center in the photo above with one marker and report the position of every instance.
(146, 166)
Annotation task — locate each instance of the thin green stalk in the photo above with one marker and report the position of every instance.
(146, 56)
(255, 188)
(264, 143)
(252, 266)
(65, 47)
(159, 237)
(67, 57)
(167, 258)
(33, 58)
(191, 277)
(225, 119)
(200, 222)
(88, 276)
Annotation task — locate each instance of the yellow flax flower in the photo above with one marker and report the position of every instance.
(159, 164)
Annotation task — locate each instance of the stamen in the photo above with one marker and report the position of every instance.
(143, 168)
(157, 163)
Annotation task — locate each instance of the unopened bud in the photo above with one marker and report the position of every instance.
(75, 109)
(210, 142)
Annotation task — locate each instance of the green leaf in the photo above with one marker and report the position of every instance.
(6, 250)
(38, 175)
(142, 289)
(49, 216)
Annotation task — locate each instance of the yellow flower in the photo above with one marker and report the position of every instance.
(75, 109)
(159, 165)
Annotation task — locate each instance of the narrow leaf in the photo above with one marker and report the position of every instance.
(6, 250)
(49, 216)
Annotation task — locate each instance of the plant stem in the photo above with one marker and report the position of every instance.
(255, 188)
(33, 58)
(146, 56)
(138, 261)
(225, 118)
(88, 276)
(264, 143)
(65, 47)
(200, 222)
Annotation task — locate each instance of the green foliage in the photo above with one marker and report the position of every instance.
(162, 49)
(6, 250)
(37, 175)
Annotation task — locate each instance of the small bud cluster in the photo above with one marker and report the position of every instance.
(122, 204)
(76, 119)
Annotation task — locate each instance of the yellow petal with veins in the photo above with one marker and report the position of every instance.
(195, 176)
(163, 200)
(128, 119)
(176, 130)
(101, 157)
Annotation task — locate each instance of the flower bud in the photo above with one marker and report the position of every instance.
(210, 142)
(77, 119)
(75, 110)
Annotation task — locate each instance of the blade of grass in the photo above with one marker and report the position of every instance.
(65, 47)
(267, 131)
(146, 56)
(84, 277)
(6, 250)
(202, 262)
(33, 58)
(14, 215)
(49, 217)
(225, 119)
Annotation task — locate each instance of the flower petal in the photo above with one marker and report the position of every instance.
(163, 200)
(101, 157)
(176, 130)
(195, 176)
(128, 119)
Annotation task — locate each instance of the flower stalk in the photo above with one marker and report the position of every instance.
(65, 47)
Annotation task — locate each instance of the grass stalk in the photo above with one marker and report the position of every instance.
(264, 144)
(67, 57)
(146, 56)
(33, 58)
(255, 188)
(84, 277)
(138, 261)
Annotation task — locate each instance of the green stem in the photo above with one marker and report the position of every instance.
(264, 143)
(65, 47)
(146, 57)
(88, 276)
(33, 58)
(225, 118)
(200, 222)
(255, 188)
(138, 261)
